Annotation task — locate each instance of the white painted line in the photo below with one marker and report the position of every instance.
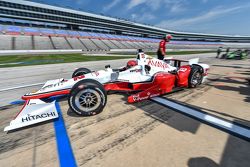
(19, 87)
(10, 63)
(206, 118)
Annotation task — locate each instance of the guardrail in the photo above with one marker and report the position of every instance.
(37, 52)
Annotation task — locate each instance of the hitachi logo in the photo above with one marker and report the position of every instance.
(35, 117)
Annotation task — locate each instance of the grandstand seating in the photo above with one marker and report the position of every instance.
(84, 34)
(42, 43)
(76, 43)
(28, 38)
(60, 43)
(7, 44)
(13, 30)
(109, 43)
(73, 33)
(125, 44)
(118, 44)
(137, 45)
(101, 45)
(47, 32)
(23, 43)
(63, 33)
(89, 44)
(130, 44)
(31, 31)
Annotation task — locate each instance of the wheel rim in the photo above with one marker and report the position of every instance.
(88, 100)
(196, 78)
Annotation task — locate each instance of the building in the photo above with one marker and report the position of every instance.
(59, 17)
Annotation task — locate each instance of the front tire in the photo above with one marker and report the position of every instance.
(80, 71)
(195, 77)
(87, 98)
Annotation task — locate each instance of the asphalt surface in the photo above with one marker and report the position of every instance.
(138, 135)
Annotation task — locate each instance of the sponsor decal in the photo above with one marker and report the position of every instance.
(81, 86)
(123, 80)
(40, 116)
(97, 73)
(206, 71)
(154, 95)
(136, 70)
(79, 77)
(138, 98)
(52, 86)
(183, 69)
(159, 64)
(48, 86)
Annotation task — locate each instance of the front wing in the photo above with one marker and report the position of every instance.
(34, 111)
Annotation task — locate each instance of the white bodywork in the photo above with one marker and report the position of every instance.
(41, 112)
(36, 110)
(133, 74)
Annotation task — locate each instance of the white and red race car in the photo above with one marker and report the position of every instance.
(144, 78)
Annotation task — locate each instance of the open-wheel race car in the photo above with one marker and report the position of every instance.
(237, 55)
(144, 78)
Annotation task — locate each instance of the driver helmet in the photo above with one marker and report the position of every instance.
(168, 36)
(131, 63)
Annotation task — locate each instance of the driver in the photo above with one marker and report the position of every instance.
(162, 46)
(130, 63)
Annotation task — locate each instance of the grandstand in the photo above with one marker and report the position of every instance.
(26, 25)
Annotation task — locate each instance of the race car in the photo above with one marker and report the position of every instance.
(144, 78)
(238, 55)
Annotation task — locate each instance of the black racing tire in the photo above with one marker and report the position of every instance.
(87, 97)
(223, 56)
(195, 77)
(80, 71)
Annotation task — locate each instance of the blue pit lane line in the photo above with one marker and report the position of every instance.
(232, 128)
(17, 102)
(64, 149)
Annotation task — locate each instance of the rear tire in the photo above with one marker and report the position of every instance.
(223, 56)
(80, 71)
(87, 97)
(195, 77)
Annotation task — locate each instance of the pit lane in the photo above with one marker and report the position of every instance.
(144, 134)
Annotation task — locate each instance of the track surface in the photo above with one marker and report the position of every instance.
(142, 134)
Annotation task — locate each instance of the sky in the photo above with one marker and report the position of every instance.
(230, 17)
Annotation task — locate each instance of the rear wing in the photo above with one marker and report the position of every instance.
(177, 62)
(193, 61)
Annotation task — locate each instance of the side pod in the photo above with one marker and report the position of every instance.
(163, 83)
(34, 111)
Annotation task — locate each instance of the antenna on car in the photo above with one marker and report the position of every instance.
(140, 50)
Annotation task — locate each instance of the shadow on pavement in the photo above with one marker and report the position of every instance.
(167, 116)
(243, 90)
(235, 154)
(230, 66)
(202, 162)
